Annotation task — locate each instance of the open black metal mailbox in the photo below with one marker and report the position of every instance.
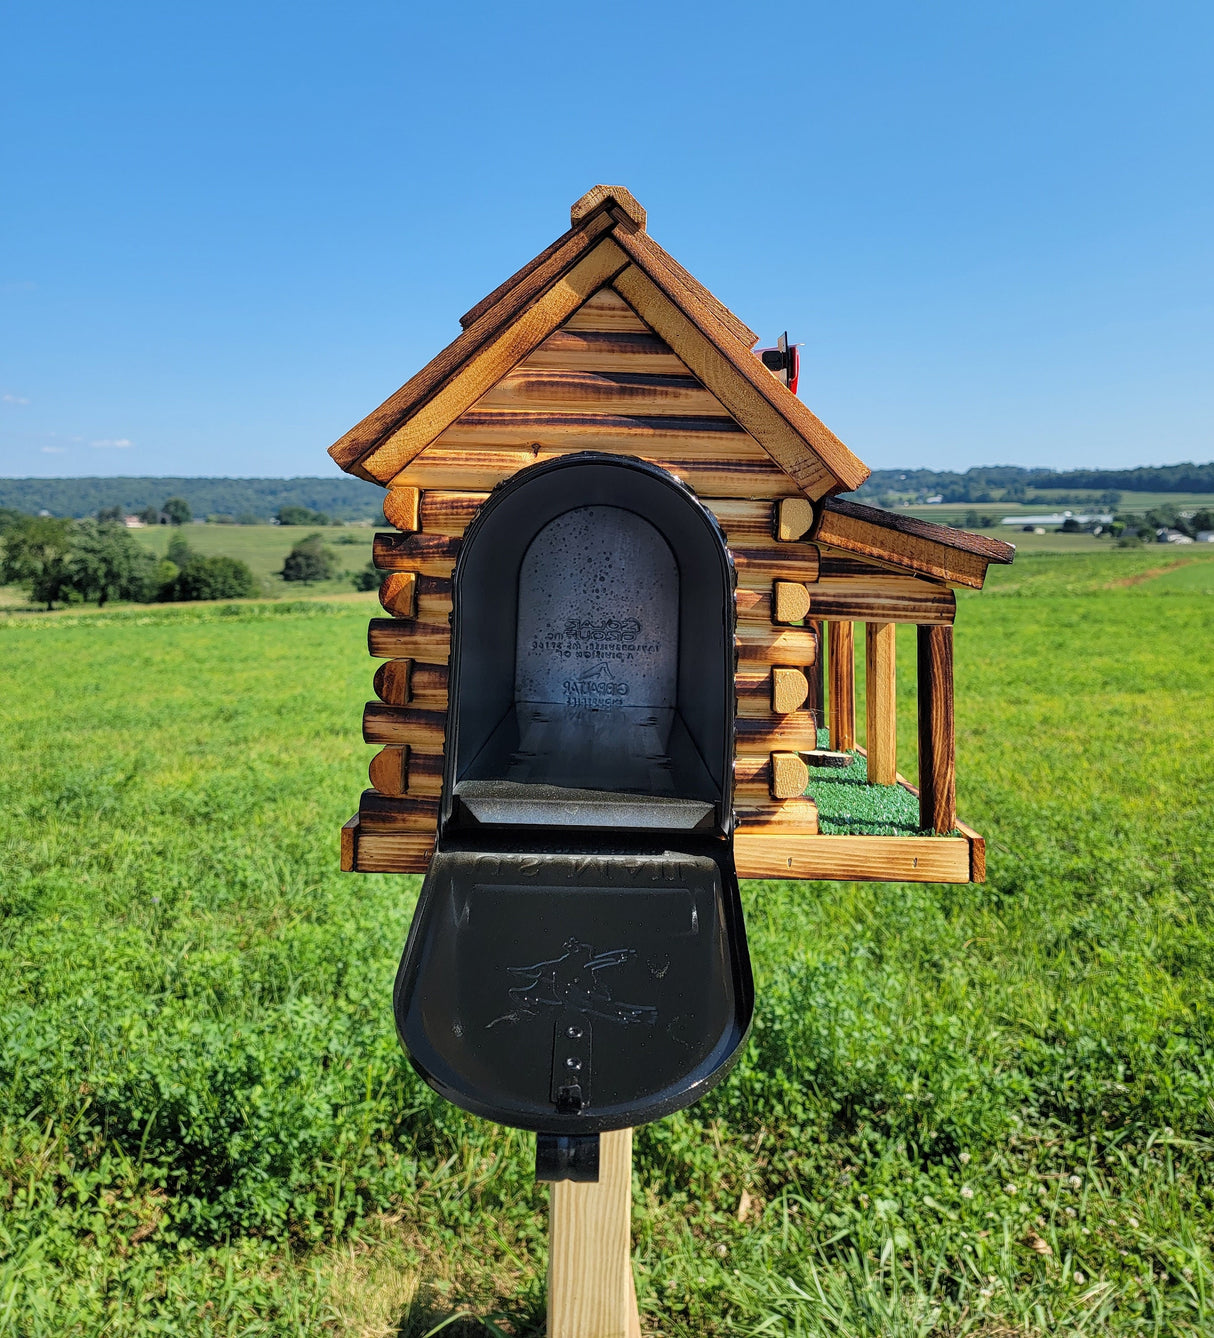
(577, 961)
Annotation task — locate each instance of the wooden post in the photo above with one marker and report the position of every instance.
(817, 681)
(842, 671)
(591, 1293)
(937, 743)
(880, 698)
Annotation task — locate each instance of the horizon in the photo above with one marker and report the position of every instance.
(336, 475)
(238, 235)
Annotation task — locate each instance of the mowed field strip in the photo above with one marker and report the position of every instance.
(967, 1109)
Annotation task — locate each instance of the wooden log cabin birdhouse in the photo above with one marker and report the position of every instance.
(622, 592)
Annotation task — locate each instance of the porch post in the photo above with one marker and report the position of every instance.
(880, 697)
(937, 744)
(842, 670)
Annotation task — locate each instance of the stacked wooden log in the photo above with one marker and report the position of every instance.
(607, 382)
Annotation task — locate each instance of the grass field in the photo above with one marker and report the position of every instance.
(963, 1110)
(264, 547)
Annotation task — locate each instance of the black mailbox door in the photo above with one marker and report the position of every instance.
(575, 992)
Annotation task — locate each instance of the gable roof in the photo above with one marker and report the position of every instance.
(607, 244)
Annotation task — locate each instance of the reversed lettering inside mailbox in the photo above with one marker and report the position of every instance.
(594, 662)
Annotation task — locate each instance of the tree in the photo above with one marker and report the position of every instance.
(105, 561)
(180, 551)
(310, 561)
(369, 578)
(300, 515)
(35, 556)
(213, 578)
(178, 511)
(150, 515)
(110, 513)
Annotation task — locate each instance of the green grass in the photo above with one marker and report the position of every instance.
(264, 547)
(206, 1126)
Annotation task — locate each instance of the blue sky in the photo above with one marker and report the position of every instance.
(231, 230)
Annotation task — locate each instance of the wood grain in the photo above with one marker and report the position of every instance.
(796, 732)
(880, 703)
(401, 508)
(400, 682)
(675, 279)
(878, 597)
(746, 521)
(752, 386)
(598, 198)
(396, 813)
(789, 776)
(977, 852)
(790, 602)
(421, 730)
(425, 774)
(349, 845)
(491, 317)
(937, 746)
(394, 852)
(449, 512)
(430, 554)
(388, 771)
(794, 518)
(841, 695)
(590, 1288)
(738, 392)
(492, 361)
(606, 351)
(539, 390)
(765, 644)
(396, 639)
(816, 675)
(789, 689)
(536, 429)
(606, 311)
(398, 593)
(490, 300)
(898, 859)
(790, 816)
(752, 777)
(465, 467)
(879, 535)
(757, 568)
(392, 682)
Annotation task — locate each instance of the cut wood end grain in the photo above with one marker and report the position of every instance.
(794, 517)
(389, 770)
(789, 690)
(392, 682)
(398, 594)
(790, 602)
(789, 776)
(402, 508)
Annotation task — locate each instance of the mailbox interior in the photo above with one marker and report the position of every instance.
(592, 655)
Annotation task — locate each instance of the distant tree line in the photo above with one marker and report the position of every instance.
(251, 501)
(1012, 483)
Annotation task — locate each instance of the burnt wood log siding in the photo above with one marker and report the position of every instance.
(616, 389)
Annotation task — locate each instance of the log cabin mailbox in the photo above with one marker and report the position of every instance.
(619, 558)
